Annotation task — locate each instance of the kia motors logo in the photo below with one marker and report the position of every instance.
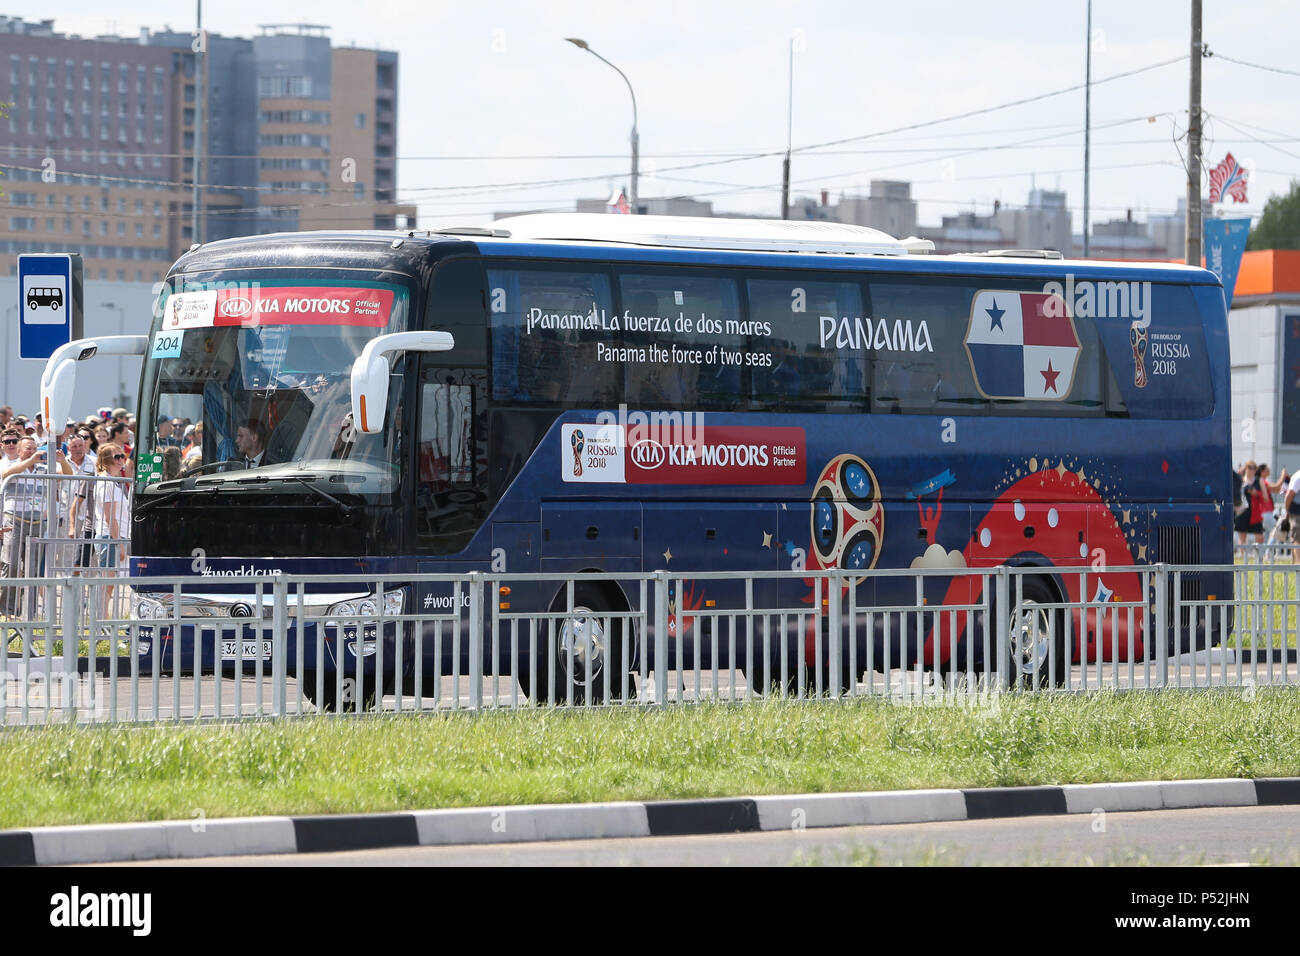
(648, 454)
(236, 307)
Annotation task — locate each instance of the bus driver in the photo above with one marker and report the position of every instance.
(250, 441)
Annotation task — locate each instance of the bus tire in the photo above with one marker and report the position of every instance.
(1033, 663)
(545, 677)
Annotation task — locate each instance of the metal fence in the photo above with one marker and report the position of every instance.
(291, 645)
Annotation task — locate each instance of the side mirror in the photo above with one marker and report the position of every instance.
(371, 370)
(59, 380)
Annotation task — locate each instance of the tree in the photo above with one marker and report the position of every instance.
(1279, 227)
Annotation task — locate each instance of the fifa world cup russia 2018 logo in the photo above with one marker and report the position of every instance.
(176, 311)
(848, 518)
(578, 443)
(1137, 337)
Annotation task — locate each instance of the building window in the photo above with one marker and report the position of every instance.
(361, 121)
(284, 86)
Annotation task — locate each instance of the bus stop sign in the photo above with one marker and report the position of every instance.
(49, 303)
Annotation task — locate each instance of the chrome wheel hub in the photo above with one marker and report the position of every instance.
(1030, 632)
(583, 634)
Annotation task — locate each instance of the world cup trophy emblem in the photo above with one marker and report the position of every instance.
(1137, 337)
(578, 442)
(176, 311)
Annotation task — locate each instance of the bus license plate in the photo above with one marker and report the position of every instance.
(230, 651)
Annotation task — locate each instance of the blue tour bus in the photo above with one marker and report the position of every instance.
(570, 393)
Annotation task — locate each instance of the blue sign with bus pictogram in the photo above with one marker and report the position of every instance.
(49, 303)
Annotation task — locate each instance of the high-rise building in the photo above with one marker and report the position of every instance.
(99, 152)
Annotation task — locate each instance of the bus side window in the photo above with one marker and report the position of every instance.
(684, 347)
(803, 364)
(551, 337)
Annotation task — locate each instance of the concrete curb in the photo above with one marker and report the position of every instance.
(115, 842)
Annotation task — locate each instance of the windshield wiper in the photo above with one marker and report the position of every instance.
(344, 509)
(147, 505)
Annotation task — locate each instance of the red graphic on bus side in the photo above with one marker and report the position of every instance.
(710, 455)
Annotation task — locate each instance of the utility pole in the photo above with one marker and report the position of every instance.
(1087, 133)
(789, 133)
(200, 49)
(1192, 241)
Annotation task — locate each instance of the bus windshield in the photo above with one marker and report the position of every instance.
(261, 370)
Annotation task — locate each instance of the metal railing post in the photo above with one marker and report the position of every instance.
(1002, 608)
(835, 639)
(475, 639)
(1161, 628)
(661, 637)
(279, 643)
(70, 623)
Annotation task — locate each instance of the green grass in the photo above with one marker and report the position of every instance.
(1253, 623)
(318, 765)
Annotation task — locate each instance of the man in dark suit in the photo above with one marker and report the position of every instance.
(250, 441)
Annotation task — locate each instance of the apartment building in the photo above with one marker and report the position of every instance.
(98, 145)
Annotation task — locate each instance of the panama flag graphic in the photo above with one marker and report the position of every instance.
(1022, 345)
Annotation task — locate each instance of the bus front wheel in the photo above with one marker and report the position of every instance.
(583, 652)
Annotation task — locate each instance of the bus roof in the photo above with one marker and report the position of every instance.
(700, 240)
(699, 232)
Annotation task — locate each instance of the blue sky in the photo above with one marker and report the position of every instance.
(496, 95)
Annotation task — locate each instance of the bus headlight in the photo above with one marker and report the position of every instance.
(368, 606)
(147, 609)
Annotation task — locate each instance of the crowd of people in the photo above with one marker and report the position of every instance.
(95, 513)
(1254, 491)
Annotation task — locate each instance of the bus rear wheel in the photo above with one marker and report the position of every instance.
(1031, 634)
(588, 651)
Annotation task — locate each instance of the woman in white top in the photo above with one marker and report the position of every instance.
(110, 514)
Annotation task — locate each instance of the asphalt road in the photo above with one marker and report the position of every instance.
(1239, 835)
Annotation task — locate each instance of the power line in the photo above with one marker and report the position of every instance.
(1256, 139)
(1253, 66)
(991, 109)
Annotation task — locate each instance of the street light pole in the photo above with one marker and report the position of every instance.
(789, 137)
(1087, 133)
(636, 141)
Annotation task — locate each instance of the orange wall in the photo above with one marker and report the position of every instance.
(1268, 271)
